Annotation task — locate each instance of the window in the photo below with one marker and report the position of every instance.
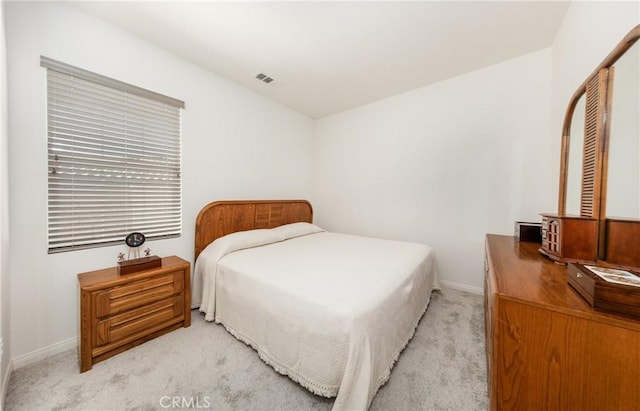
(113, 160)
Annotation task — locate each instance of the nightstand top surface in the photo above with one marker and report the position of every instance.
(108, 277)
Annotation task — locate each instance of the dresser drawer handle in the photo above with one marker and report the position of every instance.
(579, 275)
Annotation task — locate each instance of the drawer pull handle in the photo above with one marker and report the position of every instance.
(578, 275)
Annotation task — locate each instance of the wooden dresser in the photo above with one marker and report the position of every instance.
(118, 312)
(547, 349)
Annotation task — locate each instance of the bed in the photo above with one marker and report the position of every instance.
(331, 311)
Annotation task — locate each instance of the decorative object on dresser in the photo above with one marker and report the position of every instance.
(547, 348)
(598, 219)
(525, 231)
(118, 312)
(606, 289)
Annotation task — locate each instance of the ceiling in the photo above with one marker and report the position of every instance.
(330, 56)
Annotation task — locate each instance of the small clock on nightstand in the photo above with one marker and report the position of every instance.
(134, 241)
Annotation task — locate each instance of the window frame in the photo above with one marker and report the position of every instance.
(139, 179)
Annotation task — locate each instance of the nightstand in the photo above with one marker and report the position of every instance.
(118, 312)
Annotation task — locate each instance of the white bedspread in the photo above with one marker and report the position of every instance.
(331, 311)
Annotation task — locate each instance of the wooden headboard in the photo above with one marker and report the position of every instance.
(225, 217)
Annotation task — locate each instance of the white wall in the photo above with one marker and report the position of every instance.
(447, 163)
(5, 309)
(443, 164)
(236, 144)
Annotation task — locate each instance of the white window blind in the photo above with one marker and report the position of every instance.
(113, 160)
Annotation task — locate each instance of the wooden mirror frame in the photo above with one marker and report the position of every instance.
(591, 237)
(628, 41)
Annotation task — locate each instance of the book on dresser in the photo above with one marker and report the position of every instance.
(118, 312)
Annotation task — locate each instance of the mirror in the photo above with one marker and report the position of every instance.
(598, 219)
(623, 169)
(574, 158)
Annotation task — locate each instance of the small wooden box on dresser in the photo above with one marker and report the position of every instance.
(547, 348)
(118, 312)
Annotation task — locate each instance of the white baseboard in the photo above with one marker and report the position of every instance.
(45, 352)
(462, 287)
(5, 384)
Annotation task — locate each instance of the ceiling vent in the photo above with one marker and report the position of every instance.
(264, 78)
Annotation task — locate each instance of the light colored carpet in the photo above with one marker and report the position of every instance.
(204, 367)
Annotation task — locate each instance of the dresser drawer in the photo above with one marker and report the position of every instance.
(138, 293)
(122, 326)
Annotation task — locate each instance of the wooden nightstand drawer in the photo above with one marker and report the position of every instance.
(118, 312)
(119, 327)
(137, 293)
